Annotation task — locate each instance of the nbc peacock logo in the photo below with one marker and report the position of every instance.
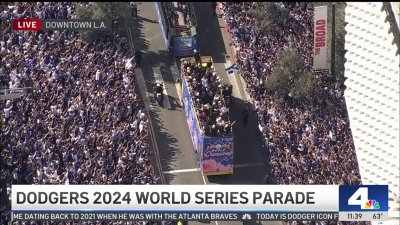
(372, 204)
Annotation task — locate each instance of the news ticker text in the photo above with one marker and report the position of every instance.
(172, 216)
(200, 216)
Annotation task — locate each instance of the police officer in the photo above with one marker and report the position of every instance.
(246, 112)
(266, 179)
(138, 57)
(214, 8)
(158, 88)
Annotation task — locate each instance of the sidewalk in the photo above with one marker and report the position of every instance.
(227, 31)
(232, 48)
(155, 158)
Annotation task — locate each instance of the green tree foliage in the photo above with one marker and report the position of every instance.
(279, 82)
(83, 12)
(303, 88)
(290, 79)
(289, 4)
(107, 10)
(282, 78)
(291, 60)
(101, 10)
(267, 14)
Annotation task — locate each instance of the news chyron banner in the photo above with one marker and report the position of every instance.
(32, 24)
(320, 37)
(199, 202)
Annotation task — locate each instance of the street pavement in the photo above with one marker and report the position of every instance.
(174, 153)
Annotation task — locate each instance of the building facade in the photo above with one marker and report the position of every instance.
(372, 94)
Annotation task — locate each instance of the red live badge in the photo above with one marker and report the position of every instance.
(27, 24)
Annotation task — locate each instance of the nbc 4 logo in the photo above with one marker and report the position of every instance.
(246, 216)
(372, 204)
(360, 197)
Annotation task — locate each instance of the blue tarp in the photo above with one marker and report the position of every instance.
(184, 46)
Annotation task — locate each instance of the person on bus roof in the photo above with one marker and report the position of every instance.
(133, 6)
(197, 57)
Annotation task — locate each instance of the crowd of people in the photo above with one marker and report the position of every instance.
(208, 97)
(306, 144)
(82, 121)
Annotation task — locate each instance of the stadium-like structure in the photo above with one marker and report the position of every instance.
(372, 94)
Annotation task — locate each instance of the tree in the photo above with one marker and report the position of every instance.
(83, 12)
(290, 79)
(100, 10)
(291, 60)
(267, 14)
(107, 10)
(282, 78)
(303, 88)
(289, 5)
(279, 82)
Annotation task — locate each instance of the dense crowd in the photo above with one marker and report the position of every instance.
(83, 121)
(306, 144)
(208, 93)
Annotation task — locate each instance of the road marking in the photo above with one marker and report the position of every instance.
(161, 25)
(175, 76)
(248, 165)
(143, 88)
(182, 171)
(146, 100)
(205, 183)
(159, 79)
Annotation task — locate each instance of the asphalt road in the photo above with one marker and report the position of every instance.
(174, 151)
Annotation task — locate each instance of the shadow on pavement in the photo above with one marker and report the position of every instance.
(152, 59)
(248, 150)
(147, 20)
(210, 38)
(138, 37)
(169, 144)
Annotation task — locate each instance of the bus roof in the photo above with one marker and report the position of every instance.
(203, 59)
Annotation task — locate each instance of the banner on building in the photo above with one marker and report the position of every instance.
(320, 37)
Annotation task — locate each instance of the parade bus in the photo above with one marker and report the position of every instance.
(214, 152)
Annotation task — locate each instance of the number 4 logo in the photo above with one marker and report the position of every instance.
(360, 197)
